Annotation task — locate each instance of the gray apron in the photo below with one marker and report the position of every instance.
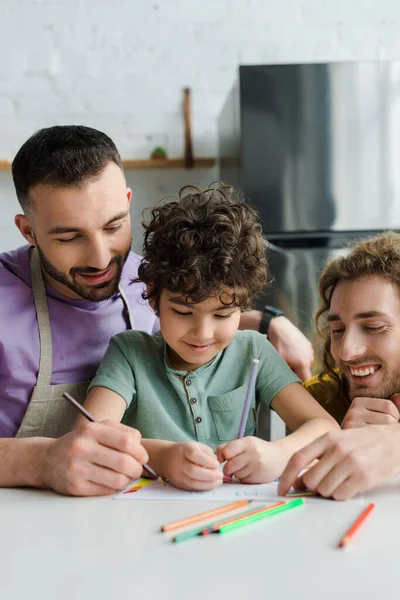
(48, 414)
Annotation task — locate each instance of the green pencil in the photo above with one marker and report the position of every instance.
(264, 515)
(186, 535)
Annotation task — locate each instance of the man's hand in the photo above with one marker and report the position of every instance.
(350, 462)
(191, 466)
(292, 345)
(370, 411)
(252, 460)
(93, 460)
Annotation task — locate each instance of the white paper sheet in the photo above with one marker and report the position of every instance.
(158, 490)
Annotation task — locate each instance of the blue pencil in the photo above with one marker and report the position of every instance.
(249, 395)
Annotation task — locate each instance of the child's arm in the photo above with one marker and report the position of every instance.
(303, 415)
(255, 461)
(103, 404)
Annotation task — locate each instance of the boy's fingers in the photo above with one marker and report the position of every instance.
(244, 473)
(201, 458)
(196, 473)
(234, 465)
(220, 453)
(234, 448)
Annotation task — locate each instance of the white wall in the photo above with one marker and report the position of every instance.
(120, 66)
(148, 187)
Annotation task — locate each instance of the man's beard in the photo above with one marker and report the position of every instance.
(389, 386)
(94, 293)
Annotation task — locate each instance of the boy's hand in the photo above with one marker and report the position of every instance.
(192, 466)
(252, 460)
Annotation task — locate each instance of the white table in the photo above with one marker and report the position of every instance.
(54, 547)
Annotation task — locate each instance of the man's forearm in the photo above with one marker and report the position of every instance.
(250, 320)
(21, 461)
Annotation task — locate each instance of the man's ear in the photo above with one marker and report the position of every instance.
(25, 227)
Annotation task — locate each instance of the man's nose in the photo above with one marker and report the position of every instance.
(353, 346)
(98, 255)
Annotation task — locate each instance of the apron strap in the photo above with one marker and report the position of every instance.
(128, 308)
(43, 319)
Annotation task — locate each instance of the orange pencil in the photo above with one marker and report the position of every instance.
(204, 515)
(356, 525)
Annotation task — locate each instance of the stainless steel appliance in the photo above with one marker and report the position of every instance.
(316, 148)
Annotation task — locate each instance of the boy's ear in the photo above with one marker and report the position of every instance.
(152, 300)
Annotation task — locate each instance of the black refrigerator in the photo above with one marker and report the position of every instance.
(316, 149)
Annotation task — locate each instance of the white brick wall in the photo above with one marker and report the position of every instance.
(148, 187)
(121, 65)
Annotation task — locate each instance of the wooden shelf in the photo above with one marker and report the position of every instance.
(164, 163)
(167, 163)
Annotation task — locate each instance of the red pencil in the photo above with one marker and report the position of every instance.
(356, 525)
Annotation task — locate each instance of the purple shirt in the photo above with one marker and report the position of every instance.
(80, 332)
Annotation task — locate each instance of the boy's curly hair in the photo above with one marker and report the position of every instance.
(201, 244)
(378, 255)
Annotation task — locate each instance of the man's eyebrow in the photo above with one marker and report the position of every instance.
(58, 230)
(369, 314)
(182, 302)
(363, 315)
(331, 318)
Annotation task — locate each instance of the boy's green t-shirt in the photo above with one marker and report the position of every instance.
(204, 405)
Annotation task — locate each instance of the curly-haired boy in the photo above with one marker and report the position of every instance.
(183, 388)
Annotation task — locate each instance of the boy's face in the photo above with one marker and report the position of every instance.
(195, 333)
(364, 319)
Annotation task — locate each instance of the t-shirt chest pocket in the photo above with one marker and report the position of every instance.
(226, 410)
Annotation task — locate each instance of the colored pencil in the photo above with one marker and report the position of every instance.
(300, 493)
(227, 479)
(249, 395)
(262, 515)
(204, 515)
(79, 408)
(204, 530)
(91, 418)
(261, 509)
(356, 525)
